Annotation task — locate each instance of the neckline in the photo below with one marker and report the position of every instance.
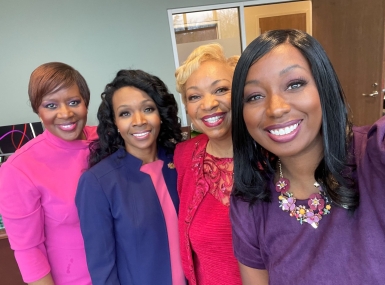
(218, 158)
(136, 162)
(75, 144)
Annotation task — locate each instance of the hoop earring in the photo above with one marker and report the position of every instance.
(192, 127)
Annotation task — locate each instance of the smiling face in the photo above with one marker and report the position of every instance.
(64, 113)
(208, 99)
(282, 109)
(138, 120)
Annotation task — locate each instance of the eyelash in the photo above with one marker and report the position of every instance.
(219, 91)
(77, 102)
(252, 98)
(149, 109)
(50, 106)
(222, 90)
(192, 97)
(146, 110)
(124, 114)
(301, 82)
(53, 105)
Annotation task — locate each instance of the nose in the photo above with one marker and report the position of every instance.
(209, 102)
(277, 106)
(65, 112)
(138, 119)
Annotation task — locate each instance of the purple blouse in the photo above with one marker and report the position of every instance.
(346, 248)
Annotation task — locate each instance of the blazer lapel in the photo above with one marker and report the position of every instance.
(170, 176)
(201, 185)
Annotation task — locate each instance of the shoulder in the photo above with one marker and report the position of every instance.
(186, 148)
(369, 139)
(248, 224)
(369, 155)
(91, 132)
(165, 154)
(240, 208)
(377, 128)
(109, 165)
(360, 133)
(28, 152)
(253, 214)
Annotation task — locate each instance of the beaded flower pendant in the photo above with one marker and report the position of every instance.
(318, 203)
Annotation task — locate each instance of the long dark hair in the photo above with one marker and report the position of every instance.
(254, 166)
(109, 139)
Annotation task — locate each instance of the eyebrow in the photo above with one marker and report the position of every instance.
(282, 72)
(287, 69)
(212, 84)
(49, 98)
(142, 103)
(253, 81)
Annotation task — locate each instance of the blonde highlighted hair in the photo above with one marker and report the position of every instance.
(199, 55)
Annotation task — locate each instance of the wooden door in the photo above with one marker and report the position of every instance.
(293, 21)
(262, 18)
(352, 34)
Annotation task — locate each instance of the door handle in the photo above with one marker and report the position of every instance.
(374, 94)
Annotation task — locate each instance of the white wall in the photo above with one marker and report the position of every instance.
(97, 37)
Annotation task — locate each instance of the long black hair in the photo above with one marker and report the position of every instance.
(109, 139)
(254, 166)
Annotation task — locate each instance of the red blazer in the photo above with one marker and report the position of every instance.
(188, 160)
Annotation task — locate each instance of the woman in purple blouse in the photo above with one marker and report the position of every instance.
(308, 199)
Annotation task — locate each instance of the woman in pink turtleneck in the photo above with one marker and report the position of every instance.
(38, 182)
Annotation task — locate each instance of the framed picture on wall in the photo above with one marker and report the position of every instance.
(13, 137)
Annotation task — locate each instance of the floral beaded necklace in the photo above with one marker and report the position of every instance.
(319, 204)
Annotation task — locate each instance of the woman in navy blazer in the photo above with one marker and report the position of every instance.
(127, 201)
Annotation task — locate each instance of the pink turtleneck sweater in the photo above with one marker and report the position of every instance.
(37, 189)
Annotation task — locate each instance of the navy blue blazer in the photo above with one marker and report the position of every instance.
(122, 221)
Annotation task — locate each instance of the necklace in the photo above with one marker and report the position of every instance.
(319, 204)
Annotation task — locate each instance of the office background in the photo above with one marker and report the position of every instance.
(97, 37)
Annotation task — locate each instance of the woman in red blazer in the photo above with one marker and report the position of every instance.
(205, 168)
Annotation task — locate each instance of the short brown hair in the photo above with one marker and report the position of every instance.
(199, 55)
(51, 77)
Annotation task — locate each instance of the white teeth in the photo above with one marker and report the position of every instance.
(140, 135)
(284, 131)
(66, 126)
(213, 119)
